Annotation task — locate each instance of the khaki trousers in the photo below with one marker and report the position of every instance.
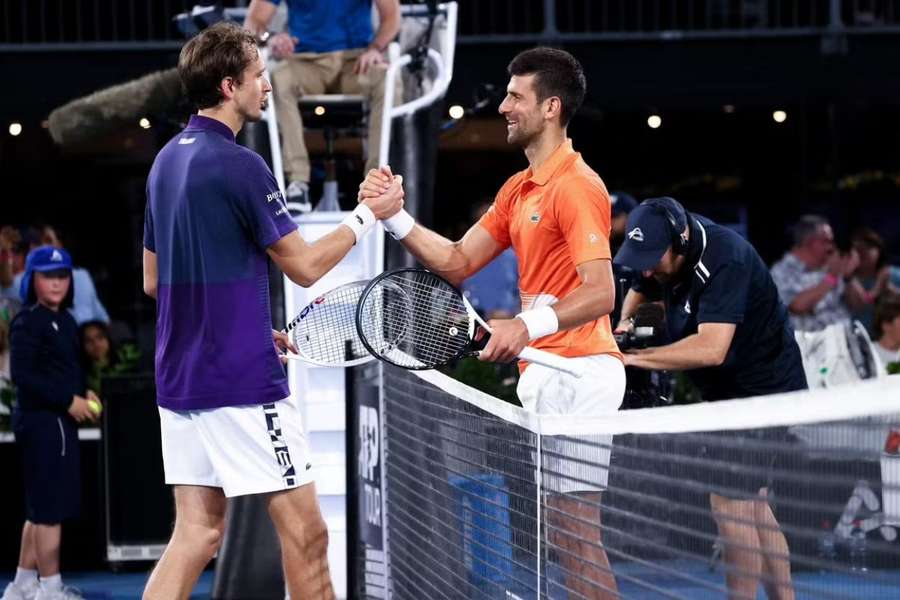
(324, 73)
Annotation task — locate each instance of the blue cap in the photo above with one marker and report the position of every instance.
(43, 259)
(621, 203)
(649, 233)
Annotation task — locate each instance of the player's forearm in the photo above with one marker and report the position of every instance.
(692, 352)
(319, 258)
(438, 254)
(586, 303)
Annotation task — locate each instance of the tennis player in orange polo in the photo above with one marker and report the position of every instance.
(556, 216)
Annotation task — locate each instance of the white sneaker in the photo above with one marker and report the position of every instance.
(64, 593)
(17, 591)
(298, 197)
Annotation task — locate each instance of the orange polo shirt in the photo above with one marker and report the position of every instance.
(555, 219)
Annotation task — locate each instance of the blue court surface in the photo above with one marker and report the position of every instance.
(103, 585)
(693, 580)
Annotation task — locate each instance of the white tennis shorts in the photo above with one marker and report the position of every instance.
(575, 463)
(249, 449)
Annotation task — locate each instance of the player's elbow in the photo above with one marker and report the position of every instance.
(715, 355)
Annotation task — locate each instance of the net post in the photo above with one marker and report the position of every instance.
(540, 509)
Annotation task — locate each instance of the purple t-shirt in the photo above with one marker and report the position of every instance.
(213, 207)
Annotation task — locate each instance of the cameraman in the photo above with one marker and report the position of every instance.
(731, 334)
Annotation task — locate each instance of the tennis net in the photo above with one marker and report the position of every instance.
(485, 500)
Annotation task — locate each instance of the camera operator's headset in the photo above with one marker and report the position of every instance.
(679, 240)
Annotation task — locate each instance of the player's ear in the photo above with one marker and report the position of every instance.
(552, 107)
(226, 86)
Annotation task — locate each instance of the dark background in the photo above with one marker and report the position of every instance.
(837, 153)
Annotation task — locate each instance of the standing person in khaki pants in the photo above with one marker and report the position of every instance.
(331, 49)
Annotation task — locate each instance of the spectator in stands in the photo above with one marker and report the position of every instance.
(51, 401)
(816, 281)
(621, 206)
(494, 290)
(87, 305)
(874, 273)
(330, 49)
(12, 262)
(887, 330)
(733, 339)
(101, 356)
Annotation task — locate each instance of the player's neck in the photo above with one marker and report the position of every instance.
(539, 150)
(224, 115)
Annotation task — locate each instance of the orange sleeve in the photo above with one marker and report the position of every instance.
(496, 219)
(582, 209)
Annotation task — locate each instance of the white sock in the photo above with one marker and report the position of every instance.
(25, 576)
(52, 583)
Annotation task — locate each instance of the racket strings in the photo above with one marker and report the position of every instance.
(418, 320)
(327, 332)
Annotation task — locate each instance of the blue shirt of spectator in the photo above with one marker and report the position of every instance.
(213, 207)
(329, 25)
(724, 280)
(495, 288)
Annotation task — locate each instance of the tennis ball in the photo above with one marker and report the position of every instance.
(95, 406)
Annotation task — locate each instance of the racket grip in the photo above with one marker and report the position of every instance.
(553, 361)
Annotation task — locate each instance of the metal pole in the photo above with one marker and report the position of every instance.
(550, 29)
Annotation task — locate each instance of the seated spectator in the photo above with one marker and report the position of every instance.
(887, 330)
(12, 262)
(87, 305)
(874, 273)
(816, 281)
(101, 356)
(330, 50)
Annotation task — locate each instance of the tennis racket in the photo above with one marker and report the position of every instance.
(417, 320)
(324, 331)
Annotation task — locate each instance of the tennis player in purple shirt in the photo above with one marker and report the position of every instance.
(229, 426)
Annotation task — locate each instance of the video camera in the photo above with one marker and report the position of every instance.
(645, 388)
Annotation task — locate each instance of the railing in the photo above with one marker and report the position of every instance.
(36, 25)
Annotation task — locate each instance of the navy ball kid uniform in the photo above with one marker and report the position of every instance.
(44, 361)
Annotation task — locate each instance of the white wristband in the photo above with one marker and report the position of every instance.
(360, 221)
(399, 225)
(540, 321)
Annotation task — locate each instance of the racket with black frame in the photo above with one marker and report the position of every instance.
(324, 331)
(415, 319)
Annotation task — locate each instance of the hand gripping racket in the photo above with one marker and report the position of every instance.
(417, 320)
(324, 332)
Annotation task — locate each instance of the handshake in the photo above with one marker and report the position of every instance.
(381, 194)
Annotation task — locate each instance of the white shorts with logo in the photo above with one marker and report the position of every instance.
(248, 449)
(576, 463)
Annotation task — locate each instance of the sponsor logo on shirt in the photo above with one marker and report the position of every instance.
(186, 140)
(276, 195)
(535, 218)
(592, 238)
(636, 234)
(687, 306)
(54, 325)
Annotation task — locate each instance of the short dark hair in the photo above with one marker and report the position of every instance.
(557, 73)
(220, 51)
(807, 226)
(887, 309)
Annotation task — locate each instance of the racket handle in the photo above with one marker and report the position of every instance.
(553, 361)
